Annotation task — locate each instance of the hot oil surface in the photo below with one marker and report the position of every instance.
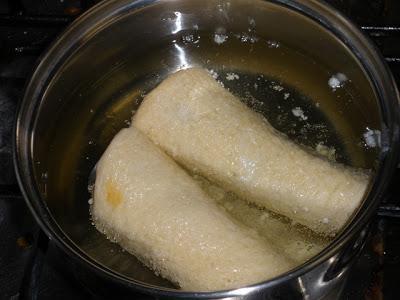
(288, 111)
(289, 88)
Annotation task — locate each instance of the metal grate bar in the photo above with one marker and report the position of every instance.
(36, 20)
(381, 28)
(390, 211)
(29, 50)
(393, 59)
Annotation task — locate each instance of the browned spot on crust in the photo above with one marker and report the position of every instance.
(114, 196)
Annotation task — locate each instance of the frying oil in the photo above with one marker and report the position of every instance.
(299, 96)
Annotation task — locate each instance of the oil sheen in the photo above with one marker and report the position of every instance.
(298, 95)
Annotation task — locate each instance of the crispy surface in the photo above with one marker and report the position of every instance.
(148, 204)
(209, 131)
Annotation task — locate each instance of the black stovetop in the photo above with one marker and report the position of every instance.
(28, 267)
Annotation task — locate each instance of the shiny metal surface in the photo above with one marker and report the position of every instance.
(86, 87)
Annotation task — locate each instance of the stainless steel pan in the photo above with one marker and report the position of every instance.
(88, 83)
